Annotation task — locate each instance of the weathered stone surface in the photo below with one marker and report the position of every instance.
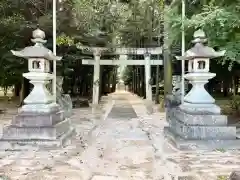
(199, 130)
(199, 119)
(122, 110)
(66, 104)
(235, 175)
(64, 100)
(105, 178)
(39, 108)
(205, 144)
(31, 129)
(33, 119)
(13, 132)
(192, 132)
(35, 144)
(200, 108)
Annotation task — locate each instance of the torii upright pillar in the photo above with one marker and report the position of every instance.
(148, 77)
(96, 76)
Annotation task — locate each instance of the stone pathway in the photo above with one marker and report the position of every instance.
(121, 149)
(119, 141)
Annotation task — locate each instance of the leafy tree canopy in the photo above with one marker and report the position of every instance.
(219, 18)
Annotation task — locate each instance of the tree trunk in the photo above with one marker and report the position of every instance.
(236, 79)
(233, 86)
(167, 60)
(22, 93)
(225, 88)
(114, 80)
(17, 89)
(133, 80)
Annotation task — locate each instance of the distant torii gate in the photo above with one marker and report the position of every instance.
(123, 60)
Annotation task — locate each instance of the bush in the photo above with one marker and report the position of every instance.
(235, 104)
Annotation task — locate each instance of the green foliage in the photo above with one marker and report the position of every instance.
(18, 18)
(127, 75)
(222, 26)
(11, 22)
(235, 104)
(98, 19)
(220, 150)
(65, 40)
(143, 24)
(117, 23)
(222, 178)
(219, 18)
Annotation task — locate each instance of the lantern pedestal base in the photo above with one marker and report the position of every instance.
(36, 144)
(199, 130)
(200, 108)
(37, 126)
(211, 144)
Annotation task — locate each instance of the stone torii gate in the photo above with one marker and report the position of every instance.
(123, 60)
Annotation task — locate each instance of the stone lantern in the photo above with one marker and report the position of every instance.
(40, 120)
(198, 75)
(198, 123)
(39, 58)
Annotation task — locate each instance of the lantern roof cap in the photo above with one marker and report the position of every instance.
(199, 50)
(38, 50)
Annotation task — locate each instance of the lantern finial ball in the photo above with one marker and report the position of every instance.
(38, 34)
(199, 34)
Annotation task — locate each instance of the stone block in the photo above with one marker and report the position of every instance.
(187, 131)
(200, 108)
(35, 144)
(39, 108)
(200, 131)
(235, 175)
(35, 119)
(65, 102)
(13, 132)
(199, 119)
(213, 144)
